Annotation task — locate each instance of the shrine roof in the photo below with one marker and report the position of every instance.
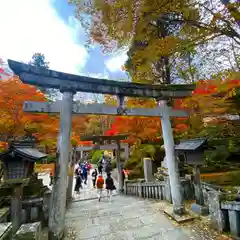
(191, 144)
(60, 80)
(30, 153)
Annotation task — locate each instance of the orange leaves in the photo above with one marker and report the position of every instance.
(209, 105)
(3, 146)
(13, 120)
(137, 128)
(209, 87)
(85, 143)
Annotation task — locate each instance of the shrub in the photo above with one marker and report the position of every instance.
(114, 163)
(96, 156)
(135, 174)
(51, 158)
(225, 178)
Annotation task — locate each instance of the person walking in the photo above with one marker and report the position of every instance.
(100, 167)
(108, 167)
(99, 184)
(109, 183)
(51, 177)
(94, 177)
(78, 183)
(85, 173)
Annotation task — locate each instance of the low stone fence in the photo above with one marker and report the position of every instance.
(231, 217)
(224, 214)
(146, 190)
(157, 190)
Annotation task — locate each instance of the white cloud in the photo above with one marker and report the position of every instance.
(30, 26)
(115, 64)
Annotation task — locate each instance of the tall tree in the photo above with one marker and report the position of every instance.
(38, 60)
(140, 26)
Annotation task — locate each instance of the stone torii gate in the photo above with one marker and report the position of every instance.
(124, 147)
(69, 84)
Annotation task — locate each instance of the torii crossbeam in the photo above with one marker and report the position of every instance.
(100, 109)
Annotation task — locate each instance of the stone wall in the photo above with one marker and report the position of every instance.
(224, 215)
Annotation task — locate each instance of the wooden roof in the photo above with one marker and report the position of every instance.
(24, 151)
(191, 144)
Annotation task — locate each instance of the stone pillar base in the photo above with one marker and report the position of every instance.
(182, 218)
(200, 209)
(179, 211)
(52, 236)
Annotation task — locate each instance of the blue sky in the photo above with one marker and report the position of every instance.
(49, 27)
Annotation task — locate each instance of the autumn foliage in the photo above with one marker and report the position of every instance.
(211, 98)
(14, 121)
(209, 103)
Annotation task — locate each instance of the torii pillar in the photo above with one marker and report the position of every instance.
(173, 171)
(59, 194)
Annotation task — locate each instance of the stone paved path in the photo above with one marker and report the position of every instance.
(126, 218)
(88, 192)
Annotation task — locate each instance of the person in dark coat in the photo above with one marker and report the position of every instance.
(100, 167)
(94, 177)
(108, 167)
(78, 183)
(109, 183)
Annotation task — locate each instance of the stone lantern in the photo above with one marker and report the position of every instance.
(17, 163)
(19, 159)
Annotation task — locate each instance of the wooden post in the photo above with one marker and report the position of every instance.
(16, 208)
(70, 175)
(197, 185)
(58, 208)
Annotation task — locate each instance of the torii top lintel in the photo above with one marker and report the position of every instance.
(52, 79)
(103, 138)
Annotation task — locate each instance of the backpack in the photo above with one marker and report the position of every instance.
(100, 182)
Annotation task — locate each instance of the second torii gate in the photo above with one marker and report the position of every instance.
(68, 85)
(99, 140)
(124, 147)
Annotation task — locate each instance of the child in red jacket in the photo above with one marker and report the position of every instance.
(99, 185)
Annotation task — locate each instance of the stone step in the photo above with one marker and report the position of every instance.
(4, 213)
(5, 231)
(29, 231)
